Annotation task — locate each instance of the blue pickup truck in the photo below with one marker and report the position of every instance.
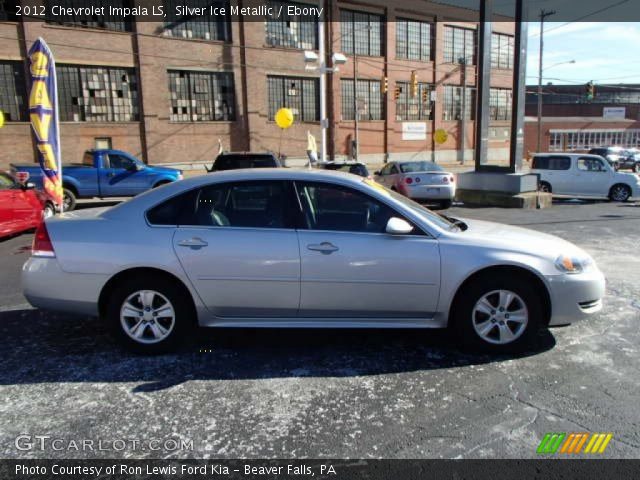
(104, 174)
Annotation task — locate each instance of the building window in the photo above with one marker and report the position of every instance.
(583, 140)
(117, 21)
(502, 47)
(97, 94)
(292, 31)
(414, 108)
(201, 96)
(12, 92)
(8, 10)
(368, 100)
(361, 33)
(452, 103)
(459, 45)
(500, 104)
(300, 94)
(414, 40)
(202, 27)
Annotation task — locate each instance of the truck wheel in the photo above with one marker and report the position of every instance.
(48, 211)
(619, 193)
(149, 315)
(497, 315)
(68, 200)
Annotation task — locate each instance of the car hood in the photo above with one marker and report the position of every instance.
(518, 239)
(168, 170)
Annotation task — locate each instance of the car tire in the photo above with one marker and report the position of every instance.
(477, 315)
(545, 187)
(636, 167)
(69, 200)
(445, 204)
(48, 211)
(150, 315)
(620, 193)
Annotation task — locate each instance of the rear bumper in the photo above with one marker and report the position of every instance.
(575, 297)
(430, 192)
(45, 285)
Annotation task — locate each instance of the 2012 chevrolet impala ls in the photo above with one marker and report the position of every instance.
(304, 248)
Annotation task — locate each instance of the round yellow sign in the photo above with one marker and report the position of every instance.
(1, 119)
(284, 118)
(440, 136)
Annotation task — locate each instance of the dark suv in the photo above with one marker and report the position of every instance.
(355, 168)
(631, 160)
(237, 160)
(613, 155)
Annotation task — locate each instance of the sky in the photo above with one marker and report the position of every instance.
(605, 52)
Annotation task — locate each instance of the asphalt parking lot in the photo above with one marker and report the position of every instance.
(361, 394)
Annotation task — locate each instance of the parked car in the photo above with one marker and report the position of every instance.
(419, 180)
(355, 168)
(613, 155)
(105, 173)
(22, 207)
(583, 175)
(630, 160)
(273, 248)
(237, 160)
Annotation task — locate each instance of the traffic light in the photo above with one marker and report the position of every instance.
(414, 84)
(385, 85)
(397, 92)
(590, 90)
(425, 96)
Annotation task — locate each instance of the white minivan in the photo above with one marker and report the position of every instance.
(583, 175)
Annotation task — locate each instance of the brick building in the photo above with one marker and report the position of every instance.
(169, 91)
(572, 122)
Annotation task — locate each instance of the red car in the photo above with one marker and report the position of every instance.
(22, 207)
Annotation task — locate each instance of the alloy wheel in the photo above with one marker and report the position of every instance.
(619, 193)
(147, 316)
(500, 317)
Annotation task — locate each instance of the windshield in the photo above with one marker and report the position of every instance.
(421, 210)
(412, 167)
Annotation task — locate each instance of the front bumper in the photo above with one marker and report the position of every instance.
(430, 192)
(45, 285)
(575, 297)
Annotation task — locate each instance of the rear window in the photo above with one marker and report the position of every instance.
(356, 169)
(233, 162)
(416, 167)
(551, 163)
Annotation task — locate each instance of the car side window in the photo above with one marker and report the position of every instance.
(394, 169)
(590, 165)
(120, 161)
(6, 182)
(333, 207)
(262, 204)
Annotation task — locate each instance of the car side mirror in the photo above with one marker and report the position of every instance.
(138, 167)
(398, 226)
(29, 186)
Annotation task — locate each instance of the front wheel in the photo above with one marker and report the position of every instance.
(497, 315)
(620, 193)
(48, 211)
(545, 187)
(149, 315)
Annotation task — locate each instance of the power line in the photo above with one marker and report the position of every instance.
(613, 5)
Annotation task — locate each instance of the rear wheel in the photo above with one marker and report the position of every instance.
(619, 193)
(68, 200)
(445, 204)
(545, 187)
(497, 315)
(149, 315)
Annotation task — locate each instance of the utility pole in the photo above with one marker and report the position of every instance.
(324, 122)
(356, 113)
(463, 118)
(543, 14)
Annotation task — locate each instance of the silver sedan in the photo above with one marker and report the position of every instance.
(303, 248)
(419, 180)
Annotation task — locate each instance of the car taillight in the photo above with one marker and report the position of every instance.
(42, 246)
(452, 179)
(445, 179)
(408, 180)
(418, 180)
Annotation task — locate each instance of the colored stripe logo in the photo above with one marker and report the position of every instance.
(574, 443)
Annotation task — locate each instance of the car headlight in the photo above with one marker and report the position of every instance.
(573, 264)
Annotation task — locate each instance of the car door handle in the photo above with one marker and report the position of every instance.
(194, 242)
(325, 248)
